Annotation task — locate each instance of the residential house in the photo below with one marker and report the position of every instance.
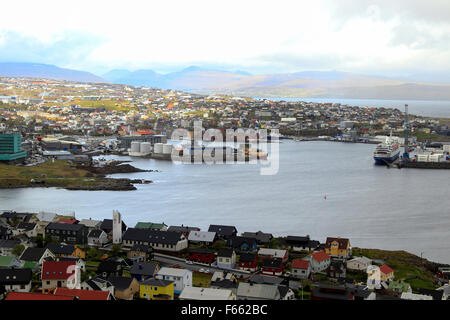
(359, 264)
(201, 255)
(181, 277)
(286, 293)
(125, 288)
(6, 246)
(91, 224)
(81, 295)
(248, 262)
(202, 237)
(226, 258)
(151, 226)
(18, 280)
(158, 240)
(144, 270)
(387, 274)
(272, 267)
(27, 228)
(109, 267)
(183, 229)
(273, 254)
(62, 250)
(320, 261)
(301, 269)
(140, 253)
(196, 293)
(436, 294)
(260, 237)
(67, 233)
(222, 275)
(337, 270)
(445, 291)
(223, 232)
(256, 291)
(97, 283)
(242, 244)
(34, 257)
(299, 243)
(225, 284)
(9, 262)
(60, 274)
(97, 238)
(40, 228)
(156, 289)
(5, 233)
(338, 247)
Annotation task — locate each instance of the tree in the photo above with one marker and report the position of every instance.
(93, 254)
(115, 249)
(18, 249)
(274, 244)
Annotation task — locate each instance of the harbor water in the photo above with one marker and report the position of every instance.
(322, 189)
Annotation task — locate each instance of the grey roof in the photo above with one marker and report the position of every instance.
(26, 226)
(120, 283)
(152, 236)
(225, 252)
(260, 236)
(223, 230)
(95, 233)
(8, 244)
(58, 248)
(144, 268)
(182, 229)
(90, 223)
(64, 226)
(258, 278)
(156, 282)
(202, 236)
(258, 291)
(224, 284)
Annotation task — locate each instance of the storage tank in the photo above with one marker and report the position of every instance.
(167, 148)
(146, 147)
(135, 146)
(158, 148)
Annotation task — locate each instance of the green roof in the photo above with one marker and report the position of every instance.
(149, 225)
(31, 265)
(5, 261)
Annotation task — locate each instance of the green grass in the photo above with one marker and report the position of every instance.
(201, 279)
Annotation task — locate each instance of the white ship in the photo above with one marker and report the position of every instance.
(386, 152)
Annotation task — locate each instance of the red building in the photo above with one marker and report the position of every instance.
(248, 262)
(272, 267)
(202, 255)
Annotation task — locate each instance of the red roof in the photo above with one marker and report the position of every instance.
(57, 269)
(83, 294)
(35, 296)
(386, 269)
(300, 264)
(320, 256)
(68, 221)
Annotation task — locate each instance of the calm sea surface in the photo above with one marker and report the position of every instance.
(439, 109)
(374, 206)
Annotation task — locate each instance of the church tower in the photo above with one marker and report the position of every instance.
(117, 227)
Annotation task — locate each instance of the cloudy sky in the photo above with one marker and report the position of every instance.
(380, 37)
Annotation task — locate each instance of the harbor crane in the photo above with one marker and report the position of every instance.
(406, 152)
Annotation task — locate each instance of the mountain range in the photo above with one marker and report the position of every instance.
(307, 84)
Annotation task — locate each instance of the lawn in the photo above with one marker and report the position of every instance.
(201, 279)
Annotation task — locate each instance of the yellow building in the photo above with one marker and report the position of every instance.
(338, 247)
(155, 289)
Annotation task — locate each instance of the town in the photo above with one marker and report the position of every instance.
(49, 256)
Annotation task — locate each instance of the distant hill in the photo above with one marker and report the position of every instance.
(320, 84)
(37, 70)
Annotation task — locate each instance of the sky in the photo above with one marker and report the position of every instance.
(398, 38)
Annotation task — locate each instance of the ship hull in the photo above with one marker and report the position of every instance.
(386, 160)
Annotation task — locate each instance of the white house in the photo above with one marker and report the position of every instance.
(198, 293)
(320, 261)
(301, 269)
(97, 238)
(226, 258)
(205, 237)
(415, 296)
(17, 280)
(181, 277)
(359, 263)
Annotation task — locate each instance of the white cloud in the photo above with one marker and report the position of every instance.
(284, 36)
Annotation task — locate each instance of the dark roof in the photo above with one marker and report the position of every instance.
(223, 230)
(225, 252)
(65, 226)
(283, 290)
(237, 242)
(247, 257)
(108, 266)
(260, 236)
(4, 232)
(267, 263)
(436, 294)
(32, 254)
(144, 268)
(120, 283)
(8, 243)
(95, 233)
(225, 284)
(58, 248)
(13, 276)
(152, 236)
(329, 292)
(262, 279)
(107, 224)
(342, 242)
(182, 229)
(26, 226)
(156, 282)
(296, 240)
(93, 285)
